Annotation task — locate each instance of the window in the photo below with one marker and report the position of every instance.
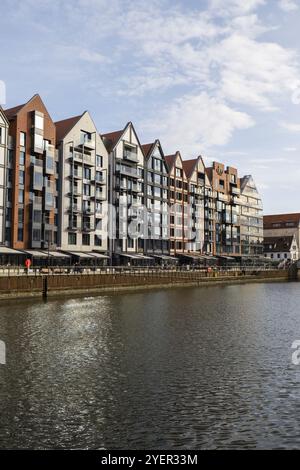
(2, 136)
(99, 160)
(86, 190)
(22, 177)
(21, 196)
(20, 216)
(72, 238)
(39, 122)
(87, 173)
(86, 239)
(99, 176)
(36, 235)
(98, 240)
(22, 158)
(38, 142)
(20, 234)
(49, 199)
(22, 139)
(37, 180)
(37, 216)
(10, 156)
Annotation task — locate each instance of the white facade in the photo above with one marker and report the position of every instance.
(3, 163)
(196, 201)
(83, 189)
(291, 252)
(126, 169)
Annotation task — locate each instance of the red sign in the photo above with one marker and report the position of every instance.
(28, 263)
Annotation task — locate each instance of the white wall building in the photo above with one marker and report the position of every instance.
(126, 191)
(281, 248)
(83, 195)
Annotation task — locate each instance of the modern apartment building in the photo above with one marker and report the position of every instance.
(126, 194)
(225, 186)
(83, 190)
(251, 218)
(156, 184)
(3, 160)
(195, 173)
(32, 172)
(282, 225)
(178, 205)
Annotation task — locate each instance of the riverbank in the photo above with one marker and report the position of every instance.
(39, 286)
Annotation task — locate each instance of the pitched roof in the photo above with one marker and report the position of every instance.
(170, 159)
(63, 127)
(12, 112)
(278, 244)
(147, 148)
(111, 139)
(282, 219)
(189, 166)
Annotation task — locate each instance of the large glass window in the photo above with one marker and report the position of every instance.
(22, 158)
(86, 239)
(72, 238)
(22, 139)
(39, 122)
(21, 196)
(99, 160)
(22, 177)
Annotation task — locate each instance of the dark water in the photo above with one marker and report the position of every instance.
(187, 368)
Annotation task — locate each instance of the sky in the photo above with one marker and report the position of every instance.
(217, 78)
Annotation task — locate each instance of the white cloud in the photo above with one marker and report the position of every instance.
(290, 149)
(198, 123)
(288, 5)
(290, 126)
(235, 7)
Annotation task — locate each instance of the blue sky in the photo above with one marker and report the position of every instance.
(213, 77)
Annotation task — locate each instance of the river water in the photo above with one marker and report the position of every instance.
(200, 368)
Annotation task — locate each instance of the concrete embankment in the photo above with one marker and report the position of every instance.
(15, 287)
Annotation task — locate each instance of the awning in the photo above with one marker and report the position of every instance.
(36, 253)
(99, 255)
(126, 255)
(81, 254)
(143, 256)
(192, 255)
(4, 250)
(58, 254)
(226, 257)
(165, 257)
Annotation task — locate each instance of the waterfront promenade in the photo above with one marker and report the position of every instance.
(44, 282)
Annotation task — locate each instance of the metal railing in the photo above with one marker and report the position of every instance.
(183, 271)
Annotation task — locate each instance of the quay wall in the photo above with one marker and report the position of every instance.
(14, 287)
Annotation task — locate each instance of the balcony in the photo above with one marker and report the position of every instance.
(99, 196)
(88, 228)
(128, 171)
(100, 180)
(76, 174)
(222, 197)
(236, 191)
(86, 142)
(73, 228)
(130, 155)
(74, 208)
(74, 192)
(88, 211)
(82, 158)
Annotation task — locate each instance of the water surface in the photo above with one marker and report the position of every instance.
(184, 368)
